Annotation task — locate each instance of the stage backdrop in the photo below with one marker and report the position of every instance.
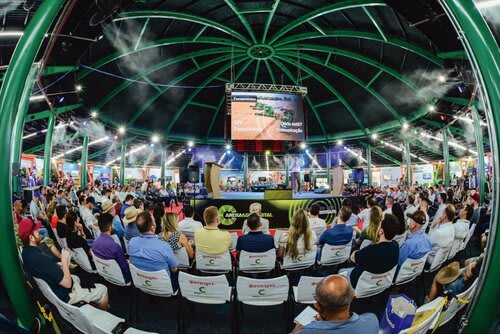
(232, 213)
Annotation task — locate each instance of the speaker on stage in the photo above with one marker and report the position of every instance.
(183, 175)
(307, 177)
(358, 175)
(194, 174)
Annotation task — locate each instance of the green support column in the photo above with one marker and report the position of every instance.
(446, 157)
(122, 164)
(83, 161)
(287, 171)
(369, 163)
(408, 162)
(18, 126)
(163, 161)
(478, 131)
(11, 95)
(245, 170)
(47, 153)
(329, 169)
(482, 50)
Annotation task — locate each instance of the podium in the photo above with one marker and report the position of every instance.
(212, 179)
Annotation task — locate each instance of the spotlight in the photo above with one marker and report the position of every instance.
(340, 142)
(93, 114)
(121, 130)
(442, 78)
(190, 143)
(84, 123)
(61, 99)
(228, 146)
(374, 136)
(155, 139)
(267, 152)
(189, 149)
(228, 152)
(405, 126)
(461, 88)
(78, 88)
(303, 145)
(432, 108)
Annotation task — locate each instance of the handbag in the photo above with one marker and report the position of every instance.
(399, 313)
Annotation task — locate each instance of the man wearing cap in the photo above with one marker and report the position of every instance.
(443, 233)
(64, 285)
(109, 207)
(130, 225)
(474, 200)
(418, 244)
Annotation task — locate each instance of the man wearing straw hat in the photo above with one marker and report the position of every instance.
(130, 225)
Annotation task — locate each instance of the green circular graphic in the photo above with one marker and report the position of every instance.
(223, 210)
(202, 289)
(261, 51)
(262, 292)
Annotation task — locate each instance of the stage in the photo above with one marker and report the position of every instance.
(260, 195)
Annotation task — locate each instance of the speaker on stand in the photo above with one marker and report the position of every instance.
(194, 177)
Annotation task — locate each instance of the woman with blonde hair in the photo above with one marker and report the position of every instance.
(300, 238)
(370, 232)
(171, 234)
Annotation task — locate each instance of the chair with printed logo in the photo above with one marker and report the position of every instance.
(370, 284)
(301, 262)
(400, 238)
(208, 290)
(277, 236)
(234, 238)
(213, 264)
(61, 241)
(154, 283)
(410, 269)
(82, 260)
(262, 292)
(304, 292)
(332, 255)
(183, 258)
(439, 258)
(256, 263)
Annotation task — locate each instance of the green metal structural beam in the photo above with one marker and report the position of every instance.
(158, 43)
(51, 70)
(269, 19)
(343, 5)
(199, 89)
(203, 105)
(270, 71)
(457, 100)
(47, 154)
(317, 27)
(84, 160)
(446, 157)
(478, 131)
(328, 86)
(353, 78)
(255, 10)
(257, 68)
(369, 164)
(459, 54)
(331, 33)
(453, 130)
(242, 18)
(47, 113)
(375, 23)
(164, 14)
(327, 103)
(407, 154)
(381, 153)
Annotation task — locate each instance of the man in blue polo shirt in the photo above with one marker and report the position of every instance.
(339, 234)
(255, 241)
(149, 253)
(418, 243)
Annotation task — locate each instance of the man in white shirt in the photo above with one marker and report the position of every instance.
(365, 214)
(389, 201)
(257, 208)
(316, 224)
(188, 224)
(87, 215)
(443, 233)
(295, 170)
(410, 205)
(442, 205)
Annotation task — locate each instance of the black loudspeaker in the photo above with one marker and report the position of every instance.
(358, 175)
(194, 174)
(16, 169)
(307, 178)
(183, 175)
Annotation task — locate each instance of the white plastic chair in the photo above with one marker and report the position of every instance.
(110, 271)
(96, 232)
(116, 239)
(303, 261)
(81, 258)
(410, 269)
(439, 259)
(277, 237)
(183, 258)
(257, 262)
(234, 237)
(129, 330)
(365, 243)
(156, 283)
(455, 247)
(400, 238)
(469, 235)
(305, 291)
(335, 254)
(370, 284)
(61, 241)
(318, 231)
(207, 263)
(424, 326)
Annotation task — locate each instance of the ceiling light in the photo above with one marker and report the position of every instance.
(93, 114)
(155, 139)
(11, 33)
(228, 146)
(190, 143)
(303, 145)
(78, 88)
(121, 130)
(405, 126)
(374, 136)
(340, 142)
(432, 108)
(228, 152)
(442, 78)
(35, 98)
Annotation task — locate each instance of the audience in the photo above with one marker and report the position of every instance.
(353, 219)
(341, 233)
(61, 228)
(158, 213)
(255, 241)
(131, 229)
(442, 205)
(417, 244)
(104, 247)
(75, 236)
(398, 212)
(473, 200)
(365, 214)
(410, 205)
(128, 202)
(317, 225)
(299, 239)
(443, 232)
(371, 232)
(333, 296)
(110, 207)
(257, 209)
(209, 239)
(87, 216)
(389, 202)
(188, 225)
(171, 234)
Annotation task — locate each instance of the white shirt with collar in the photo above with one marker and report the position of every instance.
(295, 166)
(442, 236)
(410, 209)
(188, 225)
(387, 211)
(87, 216)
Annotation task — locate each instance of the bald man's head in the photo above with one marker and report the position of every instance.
(334, 293)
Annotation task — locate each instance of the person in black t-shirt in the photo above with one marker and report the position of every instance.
(380, 257)
(61, 227)
(75, 236)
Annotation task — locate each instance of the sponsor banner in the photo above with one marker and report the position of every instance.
(233, 212)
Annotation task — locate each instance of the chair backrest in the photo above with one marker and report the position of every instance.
(183, 258)
(189, 234)
(469, 235)
(456, 303)
(370, 284)
(110, 271)
(156, 283)
(70, 313)
(61, 241)
(277, 237)
(234, 237)
(365, 243)
(423, 326)
(126, 242)
(81, 258)
(262, 292)
(306, 289)
(302, 261)
(204, 289)
(318, 231)
(332, 255)
(410, 269)
(116, 239)
(257, 262)
(96, 232)
(400, 238)
(213, 263)
(439, 258)
(455, 247)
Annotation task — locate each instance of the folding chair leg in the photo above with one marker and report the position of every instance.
(131, 306)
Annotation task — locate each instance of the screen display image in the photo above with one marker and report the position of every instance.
(267, 116)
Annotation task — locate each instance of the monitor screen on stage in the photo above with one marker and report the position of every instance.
(267, 116)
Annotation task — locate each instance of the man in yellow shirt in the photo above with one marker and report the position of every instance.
(209, 239)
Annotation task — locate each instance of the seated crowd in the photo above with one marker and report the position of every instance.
(389, 231)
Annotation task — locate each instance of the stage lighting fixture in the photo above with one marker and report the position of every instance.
(405, 126)
(61, 99)
(339, 142)
(116, 137)
(267, 152)
(228, 146)
(432, 108)
(307, 151)
(93, 114)
(36, 98)
(461, 88)
(442, 78)
(155, 139)
(228, 152)
(345, 148)
(374, 136)
(190, 143)
(78, 88)
(303, 145)
(189, 149)
(121, 130)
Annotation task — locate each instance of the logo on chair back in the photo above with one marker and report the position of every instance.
(379, 283)
(337, 253)
(300, 258)
(262, 292)
(211, 262)
(147, 283)
(202, 289)
(257, 261)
